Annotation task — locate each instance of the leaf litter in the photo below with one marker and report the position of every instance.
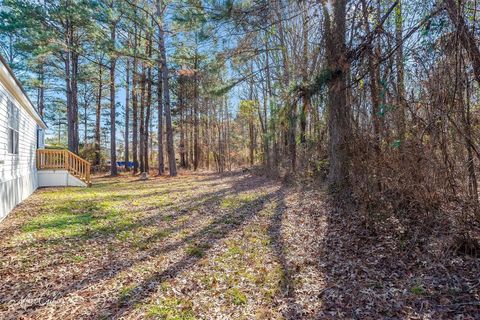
(210, 246)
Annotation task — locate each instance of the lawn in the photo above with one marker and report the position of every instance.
(208, 246)
(196, 246)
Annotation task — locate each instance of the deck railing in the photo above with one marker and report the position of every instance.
(50, 159)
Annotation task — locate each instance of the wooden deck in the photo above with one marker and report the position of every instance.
(50, 159)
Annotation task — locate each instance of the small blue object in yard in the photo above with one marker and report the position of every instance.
(122, 164)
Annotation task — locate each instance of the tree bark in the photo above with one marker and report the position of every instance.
(41, 90)
(305, 95)
(135, 107)
(468, 137)
(196, 146)
(172, 166)
(71, 72)
(85, 121)
(113, 142)
(374, 72)
(251, 144)
(74, 118)
(127, 115)
(98, 115)
(337, 107)
(181, 102)
(142, 119)
(290, 105)
(161, 163)
(148, 102)
(401, 99)
(147, 117)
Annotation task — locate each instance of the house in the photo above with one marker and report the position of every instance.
(24, 163)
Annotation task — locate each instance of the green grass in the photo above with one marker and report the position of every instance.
(196, 250)
(105, 209)
(58, 222)
(126, 292)
(168, 218)
(417, 290)
(235, 250)
(238, 297)
(235, 201)
(172, 309)
(141, 230)
(78, 258)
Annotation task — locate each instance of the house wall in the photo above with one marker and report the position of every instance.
(18, 174)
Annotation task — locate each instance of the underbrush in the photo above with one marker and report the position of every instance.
(409, 195)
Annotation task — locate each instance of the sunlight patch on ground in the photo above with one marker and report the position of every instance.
(197, 246)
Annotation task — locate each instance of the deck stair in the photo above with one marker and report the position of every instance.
(54, 159)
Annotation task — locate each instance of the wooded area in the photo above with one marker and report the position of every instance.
(378, 101)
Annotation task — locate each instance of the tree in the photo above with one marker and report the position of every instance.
(161, 164)
(247, 112)
(113, 132)
(338, 110)
(61, 29)
(98, 114)
(127, 114)
(172, 166)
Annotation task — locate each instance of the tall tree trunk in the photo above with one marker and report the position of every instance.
(468, 137)
(401, 98)
(147, 117)
(161, 163)
(291, 106)
(71, 72)
(41, 90)
(98, 115)
(85, 123)
(74, 118)
(207, 133)
(221, 141)
(127, 115)
(172, 166)
(262, 115)
(148, 102)
(374, 73)
(135, 106)
(181, 102)
(190, 123)
(226, 138)
(337, 108)
(268, 101)
(196, 146)
(68, 81)
(251, 144)
(142, 119)
(305, 95)
(252, 140)
(113, 138)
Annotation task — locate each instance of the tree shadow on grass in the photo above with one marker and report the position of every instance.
(110, 268)
(207, 237)
(293, 310)
(96, 213)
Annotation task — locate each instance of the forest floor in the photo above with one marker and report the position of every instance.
(209, 246)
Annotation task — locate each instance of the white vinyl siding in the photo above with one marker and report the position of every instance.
(18, 174)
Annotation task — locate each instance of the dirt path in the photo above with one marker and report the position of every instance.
(207, 246)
